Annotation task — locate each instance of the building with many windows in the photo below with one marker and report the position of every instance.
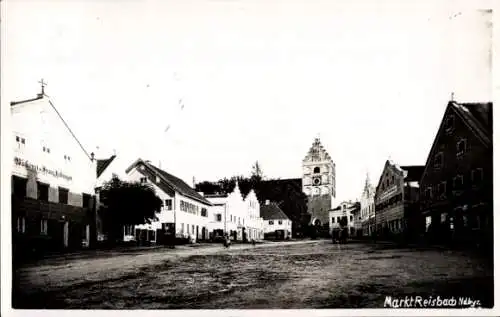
(457, 184)
(396, 200)
(184, 211)
(343, 218)
(53, 180)
(237, 216)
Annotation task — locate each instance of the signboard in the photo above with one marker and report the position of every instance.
(40, 169)
(389, 192)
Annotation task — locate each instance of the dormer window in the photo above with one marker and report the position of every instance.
(438, 160)
(46, 149)
(461, 147)
(143, 180)
(449, 124)
(316, 170)
(67, 158)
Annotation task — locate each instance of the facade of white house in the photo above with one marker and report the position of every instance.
(53, 177)
(237, 216)
(345, 211)
(183, 208)
(276, 223)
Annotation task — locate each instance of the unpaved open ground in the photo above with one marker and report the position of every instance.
(303, 275)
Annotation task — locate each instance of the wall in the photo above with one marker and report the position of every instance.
(38, 124)
(285, 225)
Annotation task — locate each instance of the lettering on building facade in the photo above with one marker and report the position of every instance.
(40, 169)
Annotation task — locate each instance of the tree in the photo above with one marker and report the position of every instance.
(127, 203)
(257, 173)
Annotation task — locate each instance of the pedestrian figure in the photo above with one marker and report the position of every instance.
(227, 242)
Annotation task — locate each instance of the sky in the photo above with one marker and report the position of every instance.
(258, 80)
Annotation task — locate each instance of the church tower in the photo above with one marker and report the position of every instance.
(318, 183)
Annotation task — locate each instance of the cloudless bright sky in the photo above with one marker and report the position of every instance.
(258, 79)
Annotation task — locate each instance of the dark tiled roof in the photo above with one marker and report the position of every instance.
(175, 183)
(414, 172)
(478, 116)
(272, 212)
(103, 164)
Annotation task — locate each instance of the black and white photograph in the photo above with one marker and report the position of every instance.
(235, 155)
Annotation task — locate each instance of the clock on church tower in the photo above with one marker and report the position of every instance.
(318, 182)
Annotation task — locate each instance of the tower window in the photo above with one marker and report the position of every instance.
(316, 170)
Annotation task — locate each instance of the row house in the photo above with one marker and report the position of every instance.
(236, 215)
(276, 223)
(367, 208)
(457, 184)
(396, 199)
(184, 211)
(53, 180)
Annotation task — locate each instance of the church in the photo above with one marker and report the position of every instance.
(318, 183)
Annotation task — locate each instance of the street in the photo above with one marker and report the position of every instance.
(304, 274)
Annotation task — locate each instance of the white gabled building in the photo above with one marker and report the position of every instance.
(276, 223)
(237, 216)
(53, 179)
(184, 210)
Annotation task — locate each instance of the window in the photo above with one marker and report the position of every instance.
(458, 182)
(21, 224)
(157, 179)
(461, 147)
(182, 228)
(46, 149)
(43, 226)
(443, 217)
(477, 176)
(19, 186)
(428, 192)
(316, 170)
(204, 212)
(271, 222)
(86, 201)
(442, 188)
(63, 195)
(143, 180)
(350, 218)
(168, 204)
(218, 217)
(280, 222)
(187, 228)
(449, 123)
(338, 219)
(20, 142)
(438, 160)
(231, 218)
(67, 158)
(333, 219)
(192, 229)
(42, 191)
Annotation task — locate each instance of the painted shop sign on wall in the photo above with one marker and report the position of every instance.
(40, 169)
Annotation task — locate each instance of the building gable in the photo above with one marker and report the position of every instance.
(459, 118)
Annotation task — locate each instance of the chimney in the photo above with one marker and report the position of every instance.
(267, 201)
(92, 155)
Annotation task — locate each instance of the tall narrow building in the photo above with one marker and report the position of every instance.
(318, 183)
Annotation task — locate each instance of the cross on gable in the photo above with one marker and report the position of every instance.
(43, 84)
